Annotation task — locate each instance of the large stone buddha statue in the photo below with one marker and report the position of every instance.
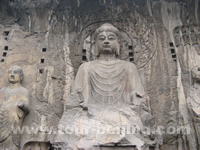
(108, 93)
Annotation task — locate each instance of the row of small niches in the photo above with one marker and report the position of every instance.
(5, 34)
(131, 54)
(4, 53)
(173, 52)
(6, 49)
(42, 61)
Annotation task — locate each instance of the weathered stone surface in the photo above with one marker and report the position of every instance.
(154, 39)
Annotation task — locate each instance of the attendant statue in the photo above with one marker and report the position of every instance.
(193, 101)
(14, 101)
(108, 92)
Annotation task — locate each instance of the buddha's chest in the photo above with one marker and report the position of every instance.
(108, 82)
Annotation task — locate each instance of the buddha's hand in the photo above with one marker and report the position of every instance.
(80, 95)
(20, 104)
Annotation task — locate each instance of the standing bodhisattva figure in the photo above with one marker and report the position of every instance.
(14, 102)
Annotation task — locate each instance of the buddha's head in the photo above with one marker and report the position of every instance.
(106, 40)
(15, 74)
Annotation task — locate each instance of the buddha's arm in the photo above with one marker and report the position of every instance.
(82, 84)
(135, 80)
(23, 103)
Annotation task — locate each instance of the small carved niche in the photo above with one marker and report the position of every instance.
(174, 57)
(84, 58)
(130, 54)
(44, 49)
(2, 60)
(130, 47)
(131, 59)
(172, 51)
(6, 48)
(6, 33)
(42, 61)
(171, 44)
(84, 51)
(41, 70)
(4, 54)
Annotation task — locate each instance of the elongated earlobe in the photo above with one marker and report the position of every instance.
(118, 50)
(95, 50)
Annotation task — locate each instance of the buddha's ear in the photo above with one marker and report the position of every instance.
(21, 76)
(95, 51)
(118, 49)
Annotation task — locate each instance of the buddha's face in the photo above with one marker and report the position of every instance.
(107, 42)
(14, 75)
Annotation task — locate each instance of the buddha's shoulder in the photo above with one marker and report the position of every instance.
(24, 89)
(128, 65)
(85, 65)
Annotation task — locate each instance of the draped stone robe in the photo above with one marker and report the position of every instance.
(108, 83)
(11, 116)
(112, 94)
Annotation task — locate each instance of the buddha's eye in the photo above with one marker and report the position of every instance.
(111, 37)
(101, 38)
(16, 72)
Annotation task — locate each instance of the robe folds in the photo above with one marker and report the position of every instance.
(106, 94)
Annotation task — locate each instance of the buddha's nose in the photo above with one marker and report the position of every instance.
(106, 42)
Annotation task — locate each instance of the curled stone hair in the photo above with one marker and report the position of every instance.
(106, 27)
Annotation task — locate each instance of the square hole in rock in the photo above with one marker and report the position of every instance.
(173, 51)
(6, 33)
(84, 51)
(2, 60)
(42, 61)
(44, 50)
(131, 59)
(171, 44)
(84, 58)
(6, 48)
(130, 47)
(4, 54)
(130, 53)
(173, 56)
(41, 70)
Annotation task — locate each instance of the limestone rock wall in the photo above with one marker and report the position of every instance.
(49, 39)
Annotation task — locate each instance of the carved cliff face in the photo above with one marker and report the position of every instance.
(14, 75)
(107, 43)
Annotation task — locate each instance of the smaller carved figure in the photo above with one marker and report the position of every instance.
(185, 33)
(14, 105)
(193, 36)
(177, 36)
(194, 100)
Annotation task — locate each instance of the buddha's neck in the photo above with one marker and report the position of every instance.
(107, 56)
(14, 85)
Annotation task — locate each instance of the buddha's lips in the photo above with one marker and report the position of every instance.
(106, 46)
